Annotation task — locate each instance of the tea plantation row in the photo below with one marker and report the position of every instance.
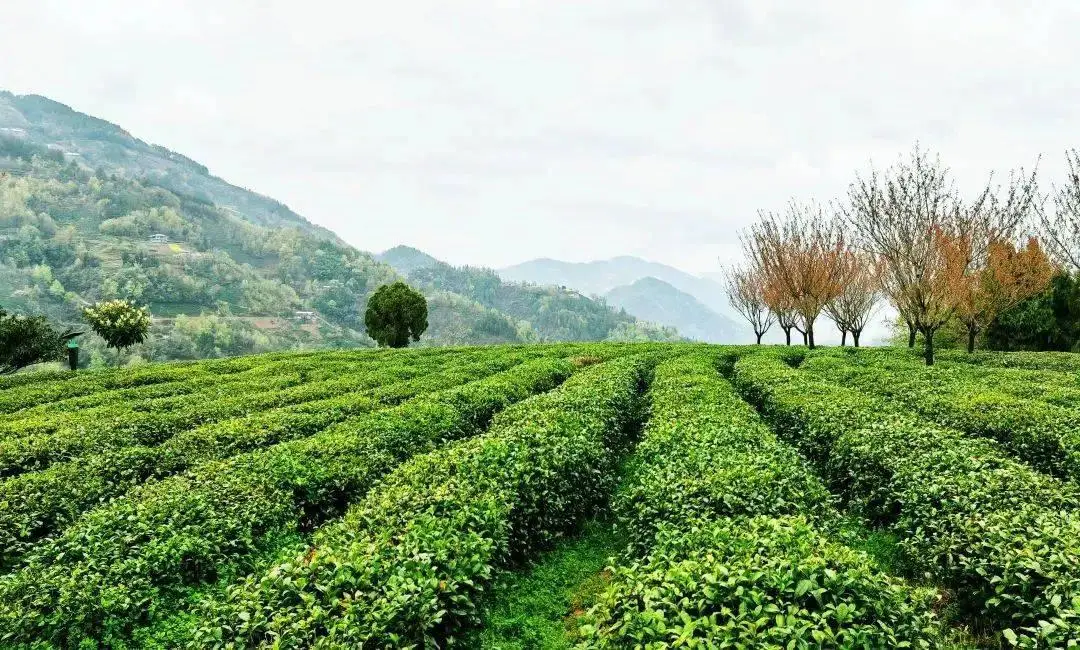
(379, 499)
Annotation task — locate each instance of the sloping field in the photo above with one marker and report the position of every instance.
(545, 496)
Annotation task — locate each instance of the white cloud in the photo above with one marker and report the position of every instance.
(490, 131)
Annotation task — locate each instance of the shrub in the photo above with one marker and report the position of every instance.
(974, 401)
(760, 582)
(36, 504)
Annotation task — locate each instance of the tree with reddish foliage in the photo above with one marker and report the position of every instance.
(799, 252)
(783, 307)
(746, 293)
(913, 219)
(1000, 280)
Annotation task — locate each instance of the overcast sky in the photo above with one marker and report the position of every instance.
(490, 132)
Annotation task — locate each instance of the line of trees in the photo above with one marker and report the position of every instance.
(908, 235)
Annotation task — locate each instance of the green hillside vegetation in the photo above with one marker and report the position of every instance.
(80, 200)
(568, 495)
(535, 312)
(70, 236)
(101, 144)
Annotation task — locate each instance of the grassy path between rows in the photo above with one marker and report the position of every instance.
(539, 608)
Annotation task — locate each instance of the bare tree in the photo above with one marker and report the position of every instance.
(1060, 230)
(799, 252)
(860, 291)
(746, 293)
(912, 217)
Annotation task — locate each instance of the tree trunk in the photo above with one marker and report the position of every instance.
(759, 335)
(971, 339)
(810, 337)
(910, 335)
(928, 349)
(843, 338)
(804, 341)
(787, 335)
(855, 336)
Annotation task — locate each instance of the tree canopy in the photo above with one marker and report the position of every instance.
(119, 322)
(395, 314)
(27, 340)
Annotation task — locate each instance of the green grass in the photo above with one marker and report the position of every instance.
(882, 546)
(538, 608)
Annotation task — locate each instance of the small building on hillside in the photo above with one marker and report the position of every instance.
(158, 238)
(305, 316)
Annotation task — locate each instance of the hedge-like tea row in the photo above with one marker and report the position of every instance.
(705, 453)
(1060, 388)
(35, 393)
(129, 562)
(150, 396)
(40, 503)
(1003, 536)
(144, 402)
(27, 393)
(406, 566)
(1045, 436)
(32, 423)
(727, 518)
(757, 582)
(1052, 361)
(122, 427)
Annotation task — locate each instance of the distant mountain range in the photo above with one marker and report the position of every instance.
(697, 306)
(406, 259)
(533, 311)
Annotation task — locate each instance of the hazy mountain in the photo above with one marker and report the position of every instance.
(600, 277)
(657, 301)
(406, 259)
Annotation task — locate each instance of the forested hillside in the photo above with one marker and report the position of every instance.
(81, 202)
(527, 311)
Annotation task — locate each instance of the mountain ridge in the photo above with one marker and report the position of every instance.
(59, 126)
(151, 225)
(657, 301)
